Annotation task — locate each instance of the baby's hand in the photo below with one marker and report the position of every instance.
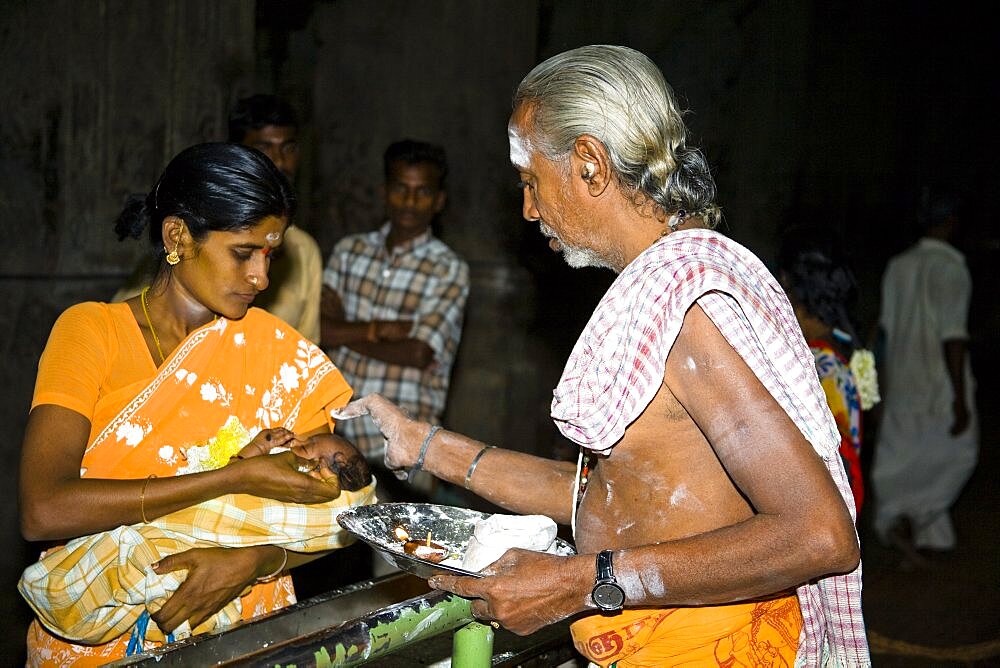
(262, 443)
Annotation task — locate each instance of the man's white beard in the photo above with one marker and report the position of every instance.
(575, 256)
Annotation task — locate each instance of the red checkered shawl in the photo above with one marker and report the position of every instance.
(618, 363)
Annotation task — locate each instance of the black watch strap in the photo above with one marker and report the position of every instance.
(607, 594)
(605, 568)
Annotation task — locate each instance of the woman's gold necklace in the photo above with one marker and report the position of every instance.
(145, 312)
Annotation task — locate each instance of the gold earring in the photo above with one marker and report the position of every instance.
(173, 257)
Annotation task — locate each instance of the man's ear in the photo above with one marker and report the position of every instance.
(589, 161)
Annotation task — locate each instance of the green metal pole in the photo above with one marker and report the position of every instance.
(473, 646)
(414, 625)
(371, 636)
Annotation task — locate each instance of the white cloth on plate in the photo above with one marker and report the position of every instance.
(499, 533)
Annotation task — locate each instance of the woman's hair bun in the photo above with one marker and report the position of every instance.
(134, 217)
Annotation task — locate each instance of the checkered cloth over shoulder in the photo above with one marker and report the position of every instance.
(617, 366)
(423, 280)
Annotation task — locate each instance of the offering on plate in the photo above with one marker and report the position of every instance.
(498, 533)
(451, 530)
(491, 537)
(422, 549)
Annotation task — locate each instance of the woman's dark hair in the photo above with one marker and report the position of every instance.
(825, 287)
(212, 187)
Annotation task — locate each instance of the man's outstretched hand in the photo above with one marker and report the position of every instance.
(402, 434)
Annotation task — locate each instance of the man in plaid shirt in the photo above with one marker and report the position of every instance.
(711, 512)
(393, 298)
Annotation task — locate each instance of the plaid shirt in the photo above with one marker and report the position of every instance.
(617, 367)
(421, 279)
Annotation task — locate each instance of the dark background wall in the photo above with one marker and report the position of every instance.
(827, 114)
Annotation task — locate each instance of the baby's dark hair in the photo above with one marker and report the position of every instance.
(352, 471)
(211, 187)
(340, 456)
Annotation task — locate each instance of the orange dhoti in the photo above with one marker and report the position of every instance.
(762, 633)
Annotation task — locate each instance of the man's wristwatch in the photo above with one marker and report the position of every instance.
(607, 593)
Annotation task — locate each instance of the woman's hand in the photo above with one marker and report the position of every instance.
(215, 576)
(282, 477)
(403, 434)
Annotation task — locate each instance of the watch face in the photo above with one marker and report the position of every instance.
(608, 596)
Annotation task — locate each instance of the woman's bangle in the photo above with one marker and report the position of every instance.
(372, 332)
(276, 573)
(474, 464)
(142, 498)
(423, 452)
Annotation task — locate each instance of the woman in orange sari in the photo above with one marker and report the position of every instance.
(130, 395)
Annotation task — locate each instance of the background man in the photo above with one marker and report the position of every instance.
(394, 298)
(709, 485)
(268, 124)
(928, 437)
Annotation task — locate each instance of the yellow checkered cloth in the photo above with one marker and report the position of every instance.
(94, 588)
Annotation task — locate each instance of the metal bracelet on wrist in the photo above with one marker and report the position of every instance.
(419, 465)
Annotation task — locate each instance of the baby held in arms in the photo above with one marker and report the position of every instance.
(117, 564)
(329, 458)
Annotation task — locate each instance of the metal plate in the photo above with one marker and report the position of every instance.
(450, 526)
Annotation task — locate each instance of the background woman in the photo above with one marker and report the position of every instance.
(820, 290)
(128, 395)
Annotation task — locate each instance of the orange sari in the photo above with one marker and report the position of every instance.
(758, 634)
(257, 369)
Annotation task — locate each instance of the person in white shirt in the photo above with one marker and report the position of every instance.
(928, 439)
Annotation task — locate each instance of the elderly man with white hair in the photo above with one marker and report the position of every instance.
(711, 513)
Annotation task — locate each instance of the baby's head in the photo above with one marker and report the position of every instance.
(337, 457)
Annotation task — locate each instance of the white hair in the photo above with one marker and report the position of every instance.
(619, 96)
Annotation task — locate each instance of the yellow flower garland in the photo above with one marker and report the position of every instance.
(863, 367)
(217, 450)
